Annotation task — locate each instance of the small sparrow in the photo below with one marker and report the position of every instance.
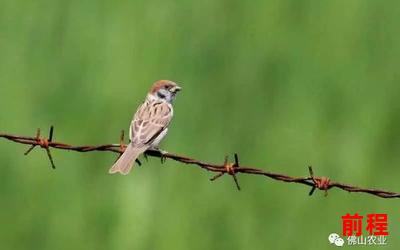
(149, 124)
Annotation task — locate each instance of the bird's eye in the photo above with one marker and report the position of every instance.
(160, 95)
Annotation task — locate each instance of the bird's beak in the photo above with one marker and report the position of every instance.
(176, 89)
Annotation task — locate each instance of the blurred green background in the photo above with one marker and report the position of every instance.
(286, 84)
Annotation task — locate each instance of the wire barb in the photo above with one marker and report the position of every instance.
(310, 170)
(51, 133)
(322, 183)
(230, 168)
(46, 146)
(34, 145)
(234, 166)
(122, 145)
(43, 143)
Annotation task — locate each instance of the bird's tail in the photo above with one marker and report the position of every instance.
(124, 164)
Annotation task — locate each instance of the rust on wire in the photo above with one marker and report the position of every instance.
(322, 183)
(230, 169)
(233, 169)
(43, 143)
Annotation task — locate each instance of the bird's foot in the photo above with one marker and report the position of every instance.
(146, 156)
(162, 153)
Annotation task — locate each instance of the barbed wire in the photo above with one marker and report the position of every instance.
(231, 168)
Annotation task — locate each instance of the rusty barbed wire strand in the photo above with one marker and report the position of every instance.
(322, 183)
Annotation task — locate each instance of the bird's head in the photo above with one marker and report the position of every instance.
(164, 90)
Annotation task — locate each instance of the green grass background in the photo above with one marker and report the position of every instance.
(286, 84)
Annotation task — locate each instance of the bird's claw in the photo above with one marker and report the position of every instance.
(162, 154)
(163, 158)
(145, 156)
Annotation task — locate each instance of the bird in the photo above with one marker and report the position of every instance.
(149, 124)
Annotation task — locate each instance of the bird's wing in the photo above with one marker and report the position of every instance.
(149, 121)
